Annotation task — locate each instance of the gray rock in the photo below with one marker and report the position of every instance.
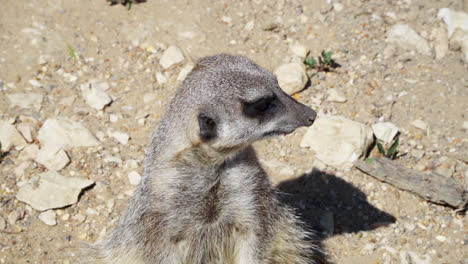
(48, 217)
(52, 157)
(337, 141)
(66, 134)
(171, 56)
(54, 191)
(94, 95)
(10, 137)
(26, 100)
(404, 36)
(291, 77)
(385, 131)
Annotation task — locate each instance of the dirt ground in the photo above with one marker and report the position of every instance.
(359, 219)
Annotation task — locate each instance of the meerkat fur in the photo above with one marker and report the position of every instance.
(204, 198)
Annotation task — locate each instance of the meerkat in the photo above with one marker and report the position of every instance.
(204, 198)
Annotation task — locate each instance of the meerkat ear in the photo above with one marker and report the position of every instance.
(207, 127)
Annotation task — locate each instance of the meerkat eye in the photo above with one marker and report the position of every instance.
(259, 107)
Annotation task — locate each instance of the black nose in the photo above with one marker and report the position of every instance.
(311, 116)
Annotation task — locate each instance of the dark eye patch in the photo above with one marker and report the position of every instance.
(259, 108)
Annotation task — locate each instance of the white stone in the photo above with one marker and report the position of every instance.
(20, 170)
(48, 217)
(459, 41)
(404, 36)
(465, 125)
(26, 100)
(66, 134)
(410, 257)
(291, 77)
(28, 153)
(184, 72)
(113, 118)
(337, 141)
(440, 42)
(171, 56)
(35, 83)
(385, 131)
(10, 137)
(121, 137)
(27, 130)
(298, 49)
(338, 7)
(54, 191)
(52, 157)
(453, 19)
(419, 124)
(95, 96)
(335, 96)
(134, 178)
(249, 26)
(161, 78)
(3, 224)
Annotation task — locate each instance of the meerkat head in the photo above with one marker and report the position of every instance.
(234, 102)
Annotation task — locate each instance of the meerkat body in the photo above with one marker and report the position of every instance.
(204, 198)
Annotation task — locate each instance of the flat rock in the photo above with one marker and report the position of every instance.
(453, 19)
(66, 134)
(459, 42)
(27, 130)
(440, 42)
(405, 37)
(291, 77)
(184, 72)
(298, 49)
(26, 100)
(29, 153)
(94, 95)
(52, 157)
(121, 137)
(335, 96)
(10, 137)
(337, 141)
(385, 131)
(419, 124)
(54, 191)
(48, 217)
(171, 56)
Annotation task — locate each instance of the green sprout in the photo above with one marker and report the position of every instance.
(70, 50)
(324, 62)
(127, 3)
(391, 152)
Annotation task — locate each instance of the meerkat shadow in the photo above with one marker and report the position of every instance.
(329, 205)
